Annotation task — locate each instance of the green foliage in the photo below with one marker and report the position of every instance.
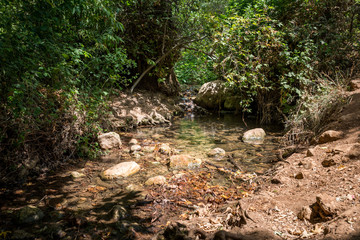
(59, 61)
(271, 50)
(332, 26)
(195, 68)
(253, 55)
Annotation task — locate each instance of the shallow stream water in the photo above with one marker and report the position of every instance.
(196, 136)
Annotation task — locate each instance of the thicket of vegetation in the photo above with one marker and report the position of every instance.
(61, 60)
(274, 52)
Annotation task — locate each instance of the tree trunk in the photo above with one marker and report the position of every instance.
(170, 86)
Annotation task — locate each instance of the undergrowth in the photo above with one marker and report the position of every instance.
(316, 108)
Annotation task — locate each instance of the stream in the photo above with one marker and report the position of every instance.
(197, 136)
(66, 205)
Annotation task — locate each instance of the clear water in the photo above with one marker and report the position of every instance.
(198, 135)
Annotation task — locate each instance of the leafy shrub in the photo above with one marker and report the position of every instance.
(252, 55)
(59, 61)
(195, 68)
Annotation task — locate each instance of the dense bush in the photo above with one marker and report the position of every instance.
(59, 61)
(253, 56)
(195, 68)
(273, 51)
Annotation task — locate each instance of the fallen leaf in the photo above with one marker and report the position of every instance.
(19, 192)
(95, 189)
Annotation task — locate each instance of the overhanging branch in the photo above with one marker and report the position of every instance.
(160, 59)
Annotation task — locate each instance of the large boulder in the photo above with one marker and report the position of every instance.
(211, 94)
(256, 135)
(215, 95)
(109, 140)
(120, 170)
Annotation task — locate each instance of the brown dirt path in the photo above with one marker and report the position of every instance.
(332, 174)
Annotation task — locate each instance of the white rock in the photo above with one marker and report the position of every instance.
(133, 142)
(76, 174)
(120, 170)
(216, 152)
(109, 140)
(135, 148)
(256, 135)
(149, 149)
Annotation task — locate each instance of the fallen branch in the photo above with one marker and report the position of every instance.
(231, 160)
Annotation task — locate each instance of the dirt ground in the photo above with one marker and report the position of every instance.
(325, 172)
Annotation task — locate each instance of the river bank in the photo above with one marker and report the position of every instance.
(312, 194)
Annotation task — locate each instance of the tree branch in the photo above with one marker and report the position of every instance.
(160, 59)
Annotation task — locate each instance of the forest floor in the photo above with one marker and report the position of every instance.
(313, 194)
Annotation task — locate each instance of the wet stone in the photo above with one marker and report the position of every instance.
(120, 170)
(216, 152)
(255, 136)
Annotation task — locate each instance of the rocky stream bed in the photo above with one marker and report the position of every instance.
(196, 178)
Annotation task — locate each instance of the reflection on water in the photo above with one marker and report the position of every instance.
(198, 135)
